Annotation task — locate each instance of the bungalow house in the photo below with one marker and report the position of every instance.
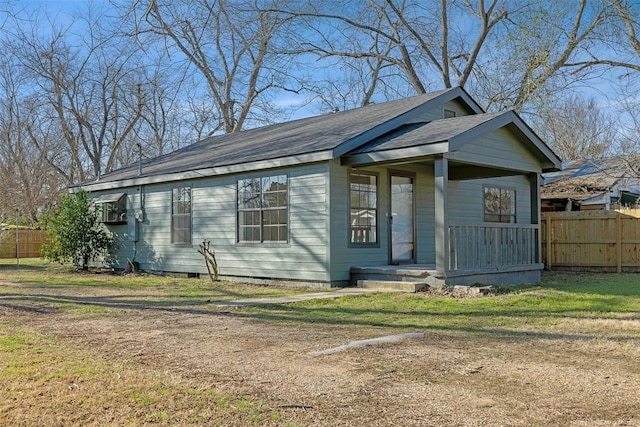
(428, 187)
(594, 184)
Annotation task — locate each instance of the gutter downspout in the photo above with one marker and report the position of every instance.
(137, 216)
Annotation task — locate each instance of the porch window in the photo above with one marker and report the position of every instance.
(181, 216)
(363, 197)
(449, 114)
(263, 207)
(499, 205)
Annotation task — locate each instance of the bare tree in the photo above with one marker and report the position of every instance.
(90, 85)
(619, 58)
(620, 46)
(626, 107)
(230, 44)
(27, 182)
(173, 114)
(541, 45)
(160, 123)
(362, 80)
(576, 128)
(503, 51)
(415, 38)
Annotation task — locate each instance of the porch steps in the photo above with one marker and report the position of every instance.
(406, 278)
(392, 285)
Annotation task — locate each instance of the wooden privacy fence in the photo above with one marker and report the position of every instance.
(591, 240)
(29, 243)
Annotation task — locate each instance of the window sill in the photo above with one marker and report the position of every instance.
(363, 245)
(265, 244)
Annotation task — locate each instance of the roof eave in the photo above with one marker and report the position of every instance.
(394, 155)
(206, 172)
(549, 167)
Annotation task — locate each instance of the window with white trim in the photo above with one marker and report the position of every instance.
(263, 209)
(499, 205)
(112, 208)
(363, 208)
(181, 216)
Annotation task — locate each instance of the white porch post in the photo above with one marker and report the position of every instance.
(535, 181)
(441, 169)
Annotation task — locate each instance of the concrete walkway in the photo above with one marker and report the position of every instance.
(301, 297)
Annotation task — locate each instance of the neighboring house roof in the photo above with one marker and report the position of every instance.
(578, 189)
(330, 136)
(593, 180)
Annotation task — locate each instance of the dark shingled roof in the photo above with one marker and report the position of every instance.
(289, 139)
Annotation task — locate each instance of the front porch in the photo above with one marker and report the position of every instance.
(487, 254)
(460, 205)
(452, 219)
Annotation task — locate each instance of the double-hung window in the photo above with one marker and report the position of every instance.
(363, 208)
(499, 205)
(181, 216)
(263, 209)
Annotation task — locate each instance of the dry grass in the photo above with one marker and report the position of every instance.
(45, 382)
(116, 355)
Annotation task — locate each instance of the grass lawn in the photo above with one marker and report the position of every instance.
(36, 272)
(559, 301)
(44, 375)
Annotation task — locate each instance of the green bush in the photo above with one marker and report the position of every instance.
(75, 231)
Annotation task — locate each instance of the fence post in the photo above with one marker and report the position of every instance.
(17, 238)
(548, 220)
(619, 242)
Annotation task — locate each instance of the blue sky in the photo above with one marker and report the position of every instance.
(601, 88)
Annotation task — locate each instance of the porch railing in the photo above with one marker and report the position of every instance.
(492, 246)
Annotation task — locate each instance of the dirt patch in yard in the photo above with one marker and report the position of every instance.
(455, 377)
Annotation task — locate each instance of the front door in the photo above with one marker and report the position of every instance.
(402, 229)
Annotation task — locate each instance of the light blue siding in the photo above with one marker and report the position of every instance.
(453, 106)
(437, 113)
(343, 257)
(425, 216)
(466, 199)
(304, 257)
(498, 148)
